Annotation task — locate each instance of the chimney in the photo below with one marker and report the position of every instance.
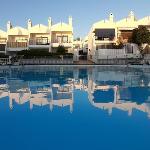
(49, 22)
(9, 25)
(29, 23)
(70, 20)
(132, 16)
(111, 17)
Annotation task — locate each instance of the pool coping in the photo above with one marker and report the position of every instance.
(75, 65)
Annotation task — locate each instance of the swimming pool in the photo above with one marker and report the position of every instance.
(74, 108)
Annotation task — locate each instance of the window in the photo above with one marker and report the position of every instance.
(65, 39)
(21, 39)
(59, 39)
(105, 34)
(2, 41)
(42, 41)
(62, 39)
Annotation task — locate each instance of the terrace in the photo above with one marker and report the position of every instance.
(17, 39)
(39, 41)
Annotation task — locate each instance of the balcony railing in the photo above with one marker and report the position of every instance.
(38, 42)
(104, 39)
(2, 47)
(17, 44)
(2, 41)
(60, 41)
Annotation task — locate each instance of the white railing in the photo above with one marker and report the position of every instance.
(2, 42)
(42, 61)
(38, 42)
(111, 53)
(17, 44)
(60, 41)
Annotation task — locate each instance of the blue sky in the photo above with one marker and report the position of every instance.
(84, 12)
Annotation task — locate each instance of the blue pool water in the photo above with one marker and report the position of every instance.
(91, 108)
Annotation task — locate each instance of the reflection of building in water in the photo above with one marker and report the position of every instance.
(18, 91)
(40, 93)
(121, 76)
(81, 84)
(3, 88)
(117, 92)
(62, 96)
(37, 93)
(108, 88)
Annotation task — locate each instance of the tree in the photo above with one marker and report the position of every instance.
(78, 39)
(146, 50)
(61, 50)
(141, 35)
(119, 44)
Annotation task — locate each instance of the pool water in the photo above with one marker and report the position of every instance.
(91, 108)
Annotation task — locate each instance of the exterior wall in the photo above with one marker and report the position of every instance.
(85, 45)
(128, 52)
(77, 44)
(3, 40)
(91, 46)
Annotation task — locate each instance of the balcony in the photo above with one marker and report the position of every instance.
(56, 43)
(2, 48)
(16, 46)
(104, 40)
(42, 43)
(3, 41)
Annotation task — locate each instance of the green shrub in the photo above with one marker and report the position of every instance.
(61, 50)
(120, 46)
(3, 55)
(30, 54)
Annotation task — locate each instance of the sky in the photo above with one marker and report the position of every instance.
(84, 12)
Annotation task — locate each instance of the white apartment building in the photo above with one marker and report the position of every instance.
(37, 37)
(105, 33)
